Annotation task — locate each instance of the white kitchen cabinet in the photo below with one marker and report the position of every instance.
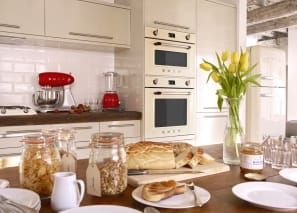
(22, 17)
(210, 128)
(178, 15)
(216, 32)
(130, 129)
(87, 21)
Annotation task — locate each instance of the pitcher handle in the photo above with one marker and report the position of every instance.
(82, 190)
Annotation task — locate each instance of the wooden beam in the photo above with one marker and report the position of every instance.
(272, 25)
(274, 11)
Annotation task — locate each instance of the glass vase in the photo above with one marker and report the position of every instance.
(233, 133)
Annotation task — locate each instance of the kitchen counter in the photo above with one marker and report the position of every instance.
(219, 186)
(65, 117)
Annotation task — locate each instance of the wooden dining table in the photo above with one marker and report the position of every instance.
(219, 185)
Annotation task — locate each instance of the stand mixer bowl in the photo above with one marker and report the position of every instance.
(48, 97)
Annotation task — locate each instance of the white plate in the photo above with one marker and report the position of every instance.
(289, 174)
(186, 200)
(22, 196)
(101, 209)
(274, 196)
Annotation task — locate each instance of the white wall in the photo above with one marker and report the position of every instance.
(292, 74)
(19, 68)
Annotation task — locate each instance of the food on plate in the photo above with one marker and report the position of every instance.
(156, 155)
(157, 191)
(150, 155)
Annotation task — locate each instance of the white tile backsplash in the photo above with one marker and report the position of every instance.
(20, 65)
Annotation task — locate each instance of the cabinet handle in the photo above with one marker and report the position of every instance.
(10, 26)
(213, 107)
(91, 35)
(11, 147)
(83, 147)
(10, 155)
(266, 95)
(120, 125)
(81, 127)
(20, 133)
(267, 78)
(172, 93)
(215, 116)
(172, 45)
(171, 25)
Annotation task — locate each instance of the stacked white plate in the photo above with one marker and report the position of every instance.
(22, 196)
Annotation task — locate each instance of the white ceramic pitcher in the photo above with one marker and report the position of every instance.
(65, 194)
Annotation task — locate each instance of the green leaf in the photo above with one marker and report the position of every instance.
(219, 61)
(220, 102)
(246, 73)
(213, 66)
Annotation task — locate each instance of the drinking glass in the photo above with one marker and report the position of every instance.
(281, 155)
(294, 155)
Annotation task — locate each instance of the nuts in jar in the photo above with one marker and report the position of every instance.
(107, 170)
(40, 159)
(251, 158)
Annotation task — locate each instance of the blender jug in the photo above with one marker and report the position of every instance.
(110, 99)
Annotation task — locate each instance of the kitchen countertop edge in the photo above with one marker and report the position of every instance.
(64, 117)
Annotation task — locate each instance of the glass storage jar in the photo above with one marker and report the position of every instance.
(39, 160)
(107, 164)
(65, 142)
(251, 158)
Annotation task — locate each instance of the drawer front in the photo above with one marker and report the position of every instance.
(87, 21)
(128, 128)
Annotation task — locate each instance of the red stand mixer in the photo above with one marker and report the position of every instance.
(54, 93)
(110, 100)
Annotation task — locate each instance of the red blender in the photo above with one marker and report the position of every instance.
(110, 99)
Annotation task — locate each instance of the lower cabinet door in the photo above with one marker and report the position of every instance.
(210, 128)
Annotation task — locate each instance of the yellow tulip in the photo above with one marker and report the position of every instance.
(205, 66)
(232, 68)
(244, 67)
(234, 57)
(244, 58)
(225, 56)
(215, 77)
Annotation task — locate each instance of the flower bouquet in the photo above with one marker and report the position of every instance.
(233, 74)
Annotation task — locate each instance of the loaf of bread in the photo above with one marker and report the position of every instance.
(157, 191)
(197, 157)
(150, 155)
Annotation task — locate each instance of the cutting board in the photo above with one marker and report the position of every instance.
(204, 170)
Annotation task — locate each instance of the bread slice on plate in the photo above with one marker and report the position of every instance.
(157, 191)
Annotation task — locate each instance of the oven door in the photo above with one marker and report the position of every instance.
(168, 58)
(169, 112)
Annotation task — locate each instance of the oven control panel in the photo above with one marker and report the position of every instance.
(168, 82)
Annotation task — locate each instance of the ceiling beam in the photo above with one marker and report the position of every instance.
(272, 25)
(274, 11)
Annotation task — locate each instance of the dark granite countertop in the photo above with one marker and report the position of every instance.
(64, 117)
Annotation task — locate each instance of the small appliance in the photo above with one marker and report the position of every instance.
(110, 99)
(55, 92)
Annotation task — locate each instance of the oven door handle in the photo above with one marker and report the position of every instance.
(172, 93)
(172, 45)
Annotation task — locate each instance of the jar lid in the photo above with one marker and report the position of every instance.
(36, 139)
(107, 138)
(61, 134)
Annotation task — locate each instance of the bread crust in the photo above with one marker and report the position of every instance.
(150, 155)
(157, 191)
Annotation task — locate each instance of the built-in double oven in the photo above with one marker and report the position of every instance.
(169, 84)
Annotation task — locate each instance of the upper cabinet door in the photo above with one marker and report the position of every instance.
(26, 16)
(87, 21)
(178, 15)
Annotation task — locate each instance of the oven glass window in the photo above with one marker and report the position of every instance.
(169, 58)
(170, 112)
